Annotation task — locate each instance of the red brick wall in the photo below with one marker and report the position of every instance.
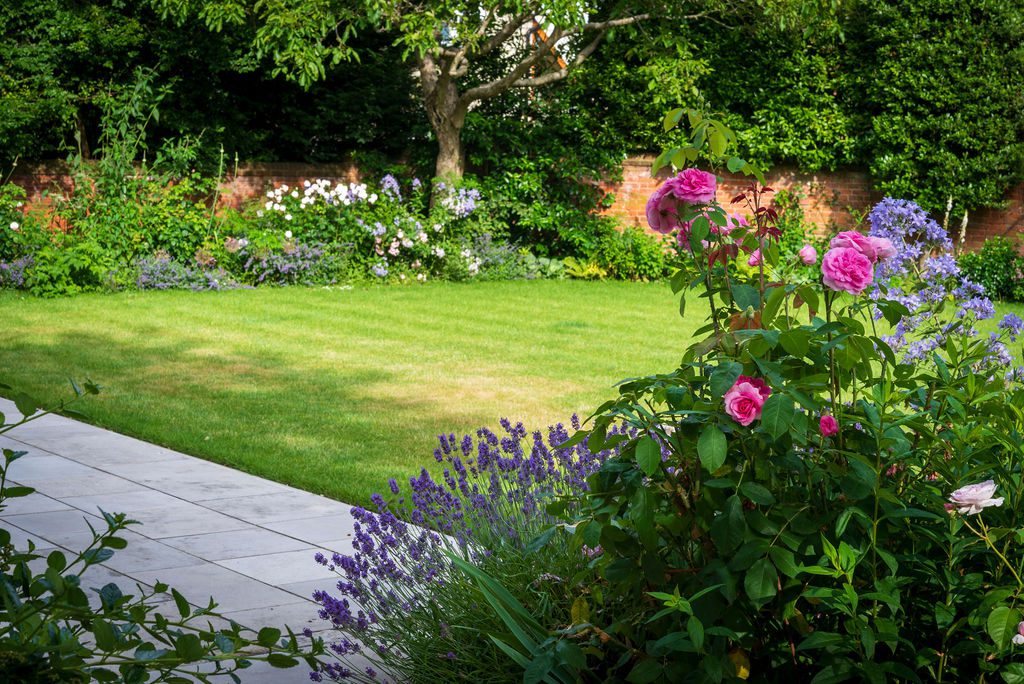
(831, 198)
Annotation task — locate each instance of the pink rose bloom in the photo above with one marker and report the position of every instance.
(662, 210)
(693, 186)
(883, 248)
(851, 239)
(808, 255)
(828, 426)
(1018, 638)
(847, 270)
(974, 498)
(745, 399)
(762, 387)
(755, 258)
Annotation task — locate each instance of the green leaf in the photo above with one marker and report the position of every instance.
(268, 636)
(645, 671)
(17, 492)
(746, 296)
(735, 164)
(1012, 673)
(777, 415)
(648, 455)
(106, 638)
(724, 377)
(183, 608)
(729, 528)
(784, 561)
(795, 342)
(759, 494)
(1002, 625)
(672, 118)
(761, 582)
(188, 647)
(281, 661)
(712, 447)
(56, 561)
(695, 628)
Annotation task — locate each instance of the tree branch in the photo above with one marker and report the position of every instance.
(553, 76)
(513, 25)
(612, 23)
(500, 85)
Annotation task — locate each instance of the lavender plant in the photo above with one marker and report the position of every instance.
(403, 610)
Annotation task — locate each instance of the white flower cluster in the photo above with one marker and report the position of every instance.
(320, 190)
(472, 263)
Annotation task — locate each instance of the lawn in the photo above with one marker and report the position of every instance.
(336, 390)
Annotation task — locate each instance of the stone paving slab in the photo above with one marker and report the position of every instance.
(206, 529)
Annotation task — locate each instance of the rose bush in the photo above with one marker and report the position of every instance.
(812, 494)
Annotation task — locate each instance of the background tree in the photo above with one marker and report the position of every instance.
(536, 43)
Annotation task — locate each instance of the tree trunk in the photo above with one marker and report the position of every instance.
(450, 161)
(447, 115)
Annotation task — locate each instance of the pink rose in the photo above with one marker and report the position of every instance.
(851, 239)
(755, 258)
(745, 399)
(828, 426)
(883, 248)
(662, 210)
(693, 186)
(847, 270)
(762, 387)
(808, 255)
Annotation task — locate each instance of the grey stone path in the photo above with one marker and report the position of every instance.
(207, 529)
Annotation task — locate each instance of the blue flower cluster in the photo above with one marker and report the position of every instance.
(924, 277)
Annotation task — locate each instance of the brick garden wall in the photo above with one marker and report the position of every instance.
(830, 198)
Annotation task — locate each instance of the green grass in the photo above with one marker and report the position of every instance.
(335, 391)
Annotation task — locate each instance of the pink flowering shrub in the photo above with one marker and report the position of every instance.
(801, 503)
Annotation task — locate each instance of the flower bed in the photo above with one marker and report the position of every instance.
(828, 488)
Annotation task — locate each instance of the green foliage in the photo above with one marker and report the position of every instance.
(631, 254)
(998, 266)
(56, 627)
(756, 543)
(944, 121)
(70, 268)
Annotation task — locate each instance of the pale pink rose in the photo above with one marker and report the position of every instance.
(808, 255)
(974, 498)
(883, 248)
(662, 210)
(851, 239)
(828, 426)
(847, 270)
(693, 186)
(745, 399)
(755, 258)
(1018, 638)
